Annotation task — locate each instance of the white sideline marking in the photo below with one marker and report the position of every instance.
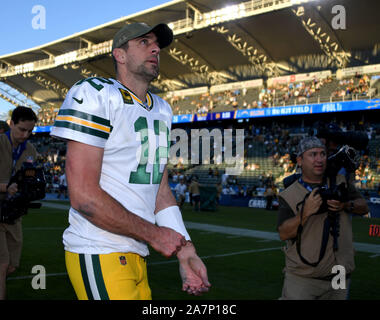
(266, 235)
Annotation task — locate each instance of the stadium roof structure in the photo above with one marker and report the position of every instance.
(216, 41)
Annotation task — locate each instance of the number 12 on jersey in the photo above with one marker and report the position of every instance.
(141, 176)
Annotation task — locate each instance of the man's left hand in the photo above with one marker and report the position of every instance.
(193, 271)
(335, 205)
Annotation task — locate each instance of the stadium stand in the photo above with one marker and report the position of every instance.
(328, 89)
(290, 93)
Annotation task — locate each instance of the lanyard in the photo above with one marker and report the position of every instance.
(16, 152)
(307, 186)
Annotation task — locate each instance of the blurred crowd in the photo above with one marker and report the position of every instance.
(355, 86)
(277, 94)
(46, 116)
(52, 157)
(297, 93)
(268, 159)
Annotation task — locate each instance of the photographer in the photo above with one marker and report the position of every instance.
(14, 150)
(317, 228)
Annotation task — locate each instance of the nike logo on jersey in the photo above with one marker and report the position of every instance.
(77, 100)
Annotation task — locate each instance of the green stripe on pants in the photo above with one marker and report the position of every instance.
(83, 269)
(99, 277)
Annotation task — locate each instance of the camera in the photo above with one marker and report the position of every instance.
(31, 185)
(346, 157)
(335, 192)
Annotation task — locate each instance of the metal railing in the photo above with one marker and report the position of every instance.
(52, 62)
(201, 20)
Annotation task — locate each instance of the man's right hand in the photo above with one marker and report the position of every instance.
(312, 203)
(168, 242)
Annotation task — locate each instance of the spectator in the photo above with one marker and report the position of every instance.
(224, 179)
(269, 195)
(62, 186)
(195, 194)
(180, 190)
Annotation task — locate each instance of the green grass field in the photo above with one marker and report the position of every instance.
(240, 268)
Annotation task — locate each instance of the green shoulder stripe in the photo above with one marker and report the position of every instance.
(84, 116)
(80, 128)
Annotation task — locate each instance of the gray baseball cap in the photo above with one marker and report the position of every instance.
(309, 143)
(134, 30)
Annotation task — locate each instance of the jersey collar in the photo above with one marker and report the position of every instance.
(148, 105)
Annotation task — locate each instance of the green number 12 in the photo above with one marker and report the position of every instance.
(141, 176)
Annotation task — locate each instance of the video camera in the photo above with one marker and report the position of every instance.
(31, 185)
(346, 156)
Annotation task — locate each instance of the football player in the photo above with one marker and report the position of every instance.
(117, 150)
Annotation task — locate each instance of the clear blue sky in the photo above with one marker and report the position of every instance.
(63, 18)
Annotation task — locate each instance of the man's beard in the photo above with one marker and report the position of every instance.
(148, 74)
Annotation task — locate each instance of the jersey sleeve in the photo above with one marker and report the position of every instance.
(84, 115)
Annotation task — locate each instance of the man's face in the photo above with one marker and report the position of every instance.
(21, 131)
(142, 56)
(313, 163)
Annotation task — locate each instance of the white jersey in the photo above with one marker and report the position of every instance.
(180, 189)
(135, 137)
(62, 180)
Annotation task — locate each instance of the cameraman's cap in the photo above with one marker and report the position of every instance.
(309, 143)
(134, 30)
